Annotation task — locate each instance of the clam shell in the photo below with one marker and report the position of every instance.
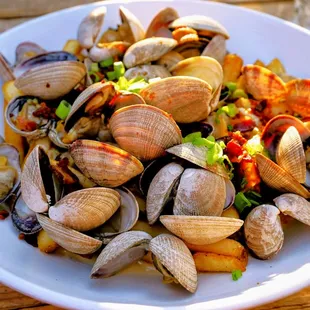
(170, 59)
(26, 50)
(161, 21)
(124, 219)
(276, 177)
(85, 209)
(263, 231)
(147, 72)
(106, 88)
(144, 131)
(104, 51)
(13, 109)
(197, 156)
(230, 194)
(122, 251)
(294, 206)
(201, 229)
(185, 98)
(13, 157)
(277, 126)
(51, 80)
(200, 192)
(6, 73)
(291, 156)
(125, 99)
(147, 50)
(262, 84)
(176, 257)
(32, 186)
(90, 27)
(136, 28)
(202, 24)
(216, 48)
(298, 96)
(103, 163)
(202, 67)
(160, 189)
(71, 240)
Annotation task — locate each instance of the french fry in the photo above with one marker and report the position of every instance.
(211, 262)
(74, 47)
(241, 82)
(258, 62)
(226, 247)
(232, 67)
(276, 67)
(45, 243)
(9, 93)
(231, 212)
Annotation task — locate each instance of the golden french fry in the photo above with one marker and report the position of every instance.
(148, 258)
(232, 211)
(258, 62)
(232, 67)
(211, 262)
(73, 47)
(226, 247)
(241, 82)
(45, 243)
(9, 93)
(276, 67)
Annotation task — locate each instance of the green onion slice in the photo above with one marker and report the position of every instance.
(63, 109)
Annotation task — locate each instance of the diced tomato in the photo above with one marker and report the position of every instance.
(25, 124)
(238, 137)
(44, 111)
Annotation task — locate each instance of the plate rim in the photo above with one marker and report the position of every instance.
(62, 300)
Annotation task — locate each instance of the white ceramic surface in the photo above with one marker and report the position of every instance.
(65, 282)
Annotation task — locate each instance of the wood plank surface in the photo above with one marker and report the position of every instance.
(14, 12)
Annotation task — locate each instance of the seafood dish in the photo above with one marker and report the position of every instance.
(154, 145)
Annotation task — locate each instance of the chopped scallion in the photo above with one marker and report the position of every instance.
(239, 93)
(107, 62)
(231, 86)
(119, 69)
(191, 137)
(136, 87)
(63, 109)
(111, 75)
(236, 274)
(94, 67)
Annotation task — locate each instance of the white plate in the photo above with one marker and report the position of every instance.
(66, 283)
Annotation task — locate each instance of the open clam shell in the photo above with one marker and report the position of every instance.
(170, 59)
(277, 126)
(103, 163)
(124, 219)
(159, 24)
(6, 73)
(147, 72)
(200, 192)
(263, 231)
(51, 80)
(27, 50)
(147, 50)
(11, 170)
(136, 31)
(13, 108)
(216, 48)
(294, 206)
(197, 156)
(125, 99)
(160, 189)
(173, 254)
(276, 177)
(90, 27)
(144, 131)
(262, 84)
(205, 26)
(290, 155)
(122, 251)
(85, 209)
(24, 219)
(201, 229)
(103, 51)
(36, 180)
(202, 67)
(69, 239)
(185, 98)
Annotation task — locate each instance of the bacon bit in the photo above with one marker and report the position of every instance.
(3, 214)
(44, 111)
(25, 124)
(21, 236)
(238, 137)
(250, 172)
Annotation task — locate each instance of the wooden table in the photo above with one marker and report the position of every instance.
(13, 12)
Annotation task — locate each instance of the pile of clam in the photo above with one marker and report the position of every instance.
(84, 176)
